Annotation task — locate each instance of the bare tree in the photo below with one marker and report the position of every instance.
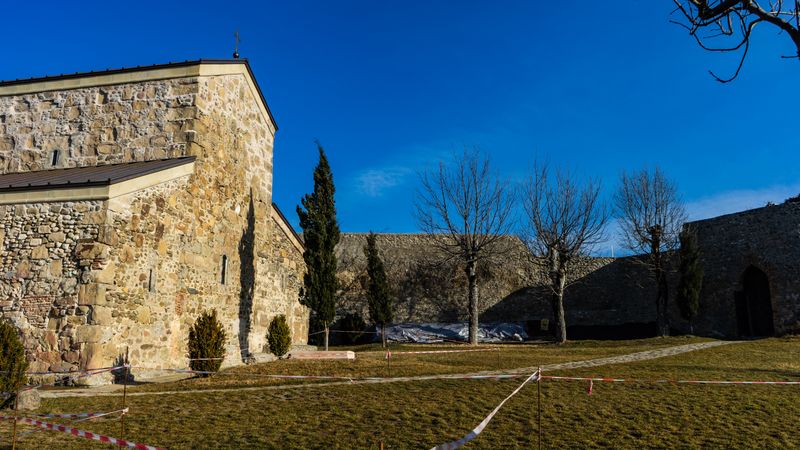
(651, 215)
(565, 219)
(466, 209)
(733, 21)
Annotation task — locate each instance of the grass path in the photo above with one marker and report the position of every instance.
(620, 359)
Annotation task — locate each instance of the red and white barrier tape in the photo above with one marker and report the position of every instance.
(81, 418)
(262, 375)
(477, 430)
(70, 372)
(500, 376)
(76, 372)
(81, 433)
(82, 374)
(428, 352)
(625, 380)
(344, 332)
(79, 415)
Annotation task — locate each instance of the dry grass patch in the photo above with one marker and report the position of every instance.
(421, 414)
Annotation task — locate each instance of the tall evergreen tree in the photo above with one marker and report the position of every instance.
(691, 280)
(321, 234)
(381, 310)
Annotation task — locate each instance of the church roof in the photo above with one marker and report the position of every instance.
(78, 177)
(125, 74)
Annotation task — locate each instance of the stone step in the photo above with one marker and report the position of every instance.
(302, 348)
(323, 355)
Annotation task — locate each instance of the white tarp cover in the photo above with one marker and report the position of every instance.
(427, 333)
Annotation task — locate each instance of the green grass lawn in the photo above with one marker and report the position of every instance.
(423, 413)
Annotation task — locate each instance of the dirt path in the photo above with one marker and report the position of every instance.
(115, 390)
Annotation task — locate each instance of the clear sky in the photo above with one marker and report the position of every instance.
(389, 88)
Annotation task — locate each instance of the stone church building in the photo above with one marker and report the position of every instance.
(132, 200)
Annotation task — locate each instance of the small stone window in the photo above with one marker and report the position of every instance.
(224, 272)
(56, 155)
(151, 282)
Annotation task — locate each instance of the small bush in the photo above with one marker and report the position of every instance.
(279, 337)
(207, 343)
(12, 362)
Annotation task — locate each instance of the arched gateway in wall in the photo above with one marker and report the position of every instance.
(754, 304)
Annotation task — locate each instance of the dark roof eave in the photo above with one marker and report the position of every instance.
(88, 176)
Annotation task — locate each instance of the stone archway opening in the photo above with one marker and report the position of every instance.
(754, 304)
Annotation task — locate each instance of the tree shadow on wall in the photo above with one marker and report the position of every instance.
(429, 291)
(247, 277)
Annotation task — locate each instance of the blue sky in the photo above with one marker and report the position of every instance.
(389, 88)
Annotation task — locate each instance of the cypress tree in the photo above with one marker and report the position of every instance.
(691, 272)
(378, 296)
(321, 234)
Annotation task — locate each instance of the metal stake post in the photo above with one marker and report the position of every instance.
(125, 390)
(16, 408)
(539, 398)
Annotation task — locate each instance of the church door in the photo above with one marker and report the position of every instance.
(754, 305)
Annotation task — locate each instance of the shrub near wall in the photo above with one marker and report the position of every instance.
(206, 343)
(279, 336)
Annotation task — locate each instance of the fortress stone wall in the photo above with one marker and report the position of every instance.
(85, 280)
(763, 240)
(428, 288)
(751, 287)
(611, 292)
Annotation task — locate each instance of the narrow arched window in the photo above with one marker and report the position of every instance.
(151, 282)
(224, 271)
(55, 157)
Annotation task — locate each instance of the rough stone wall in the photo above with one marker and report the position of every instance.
(183, 230)
(512, 287)
(767, 238)
(427, 289)
(152, 260)
(96, 125)
(280, 278)
(41, 290)
(603, 292)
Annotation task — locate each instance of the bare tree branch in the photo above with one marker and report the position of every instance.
(467, 210)
(651, 215)
(565, 220)
(735, 19)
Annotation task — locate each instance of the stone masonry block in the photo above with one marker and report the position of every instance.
(92, 294)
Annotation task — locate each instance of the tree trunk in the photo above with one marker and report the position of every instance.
(326, 337)
(662, 314)
(383, 335)
(558, 308)
(472, 294)
(558, 281)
